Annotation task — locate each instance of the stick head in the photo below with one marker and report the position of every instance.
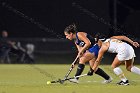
(61, 81)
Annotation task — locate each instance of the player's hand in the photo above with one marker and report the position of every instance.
(73, 65)
(80, 54)
(90, 72)
(136, 44)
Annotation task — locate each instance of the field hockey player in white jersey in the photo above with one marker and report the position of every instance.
(125, 53)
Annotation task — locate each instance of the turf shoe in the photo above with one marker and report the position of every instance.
(74, 80)
(107, 81)
(123, 83)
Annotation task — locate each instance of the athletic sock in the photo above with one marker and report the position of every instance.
(101, 73)
(135, 70)
(80, 69)
(120, 73)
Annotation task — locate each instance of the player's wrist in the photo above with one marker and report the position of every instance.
(132, 42)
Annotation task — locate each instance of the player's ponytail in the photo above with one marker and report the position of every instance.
(99, 36)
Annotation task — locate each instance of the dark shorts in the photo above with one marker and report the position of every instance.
(94, 49)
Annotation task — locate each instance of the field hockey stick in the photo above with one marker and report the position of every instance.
(68, 73)
(77, 76)
(61, 81)
(74, 77)
(66, 76)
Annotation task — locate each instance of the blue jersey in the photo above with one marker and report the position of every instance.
(94, 48)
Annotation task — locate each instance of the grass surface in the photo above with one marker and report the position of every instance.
(32, 79)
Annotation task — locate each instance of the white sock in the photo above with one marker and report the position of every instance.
(120, 73)
(135, 70)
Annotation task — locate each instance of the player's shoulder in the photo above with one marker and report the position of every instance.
(104, 46)
(81, 33)
(107, 40)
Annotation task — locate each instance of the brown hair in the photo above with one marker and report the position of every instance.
(71, 29)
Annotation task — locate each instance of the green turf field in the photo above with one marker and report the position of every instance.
(32, 79)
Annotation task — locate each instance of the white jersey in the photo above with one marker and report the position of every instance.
(124, 51)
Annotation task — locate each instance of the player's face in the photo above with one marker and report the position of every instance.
(4, 34)
(68, 36)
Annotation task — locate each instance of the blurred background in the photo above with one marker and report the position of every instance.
(36, 26)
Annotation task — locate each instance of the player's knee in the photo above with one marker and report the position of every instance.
(112, 66)
(128, 68)
(83, 60)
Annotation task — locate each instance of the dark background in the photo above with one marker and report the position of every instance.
(41, 20)
(57, 14)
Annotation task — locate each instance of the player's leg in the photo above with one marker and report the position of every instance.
(130, 67)
(85, 58)
(117, 70)
(100, 72)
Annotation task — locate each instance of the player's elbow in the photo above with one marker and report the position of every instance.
(88, 44)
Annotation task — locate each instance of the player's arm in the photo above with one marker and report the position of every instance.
(99, 43)
(83, 37)
(136, 44)
(78, 47)
(102, 50)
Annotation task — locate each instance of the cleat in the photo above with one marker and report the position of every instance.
(74, 80)
(123, 83)
(107, 81)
